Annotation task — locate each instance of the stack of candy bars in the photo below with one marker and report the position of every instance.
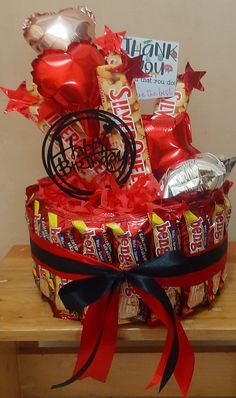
(150, 214)
(192, 224)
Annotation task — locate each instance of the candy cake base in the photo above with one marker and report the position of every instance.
(193, 227)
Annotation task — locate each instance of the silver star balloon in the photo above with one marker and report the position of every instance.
(202, 173)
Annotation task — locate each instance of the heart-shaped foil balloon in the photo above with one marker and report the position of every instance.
(69, 78)
(57, 30)
(169, 141)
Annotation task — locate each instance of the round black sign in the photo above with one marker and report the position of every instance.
(66, 151)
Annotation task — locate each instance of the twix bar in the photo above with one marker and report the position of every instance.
(119, 98)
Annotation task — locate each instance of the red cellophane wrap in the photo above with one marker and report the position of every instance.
(108, 196)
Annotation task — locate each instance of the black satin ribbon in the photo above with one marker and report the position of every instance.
(170, 264)
(83, 292)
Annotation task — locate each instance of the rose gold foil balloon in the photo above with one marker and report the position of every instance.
(59, 30)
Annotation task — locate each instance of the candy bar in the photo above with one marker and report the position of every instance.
(131, 242)
(166, 237)
(166, 232)
(228, 210)
(57, 237)
(173, 106)
(54, 229)
(46, 283)
(195, 232)
(40, 224)
(119, 98)
(43, 277)
(96, 240)
(195, 296)
(58, 307)
(195, 238)
(218, 226)
(227, 213)
(70, 242)
(131, 306)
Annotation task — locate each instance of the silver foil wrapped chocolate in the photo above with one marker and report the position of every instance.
(202, 173)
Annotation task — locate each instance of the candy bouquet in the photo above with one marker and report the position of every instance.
(131, 223)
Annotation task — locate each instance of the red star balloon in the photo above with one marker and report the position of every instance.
(131, 67)
(191, 79)
(110, 42)
(169, 141)
(20, 100)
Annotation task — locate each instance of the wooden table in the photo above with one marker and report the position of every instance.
(37, 350)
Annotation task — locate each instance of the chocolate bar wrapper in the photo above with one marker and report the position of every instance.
(218, 233)
(227, 212)
(132, 247)
(119, 98)
(57, 237)
(166, 237)
(59, 309)
(175, 105)
(96, 239)
(195, 227)
(46, 283)
(42, 276)
(131, 306)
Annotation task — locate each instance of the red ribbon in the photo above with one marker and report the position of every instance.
(100, 325)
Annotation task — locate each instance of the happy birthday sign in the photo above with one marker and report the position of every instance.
(160, 60)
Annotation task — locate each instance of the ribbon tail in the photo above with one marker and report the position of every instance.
(185, 365)
(100, 367)
(158, 374)
(91, 336)
(90, 340)
(96, 341)
(169, 355)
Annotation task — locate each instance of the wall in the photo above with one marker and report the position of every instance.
(206, 32)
